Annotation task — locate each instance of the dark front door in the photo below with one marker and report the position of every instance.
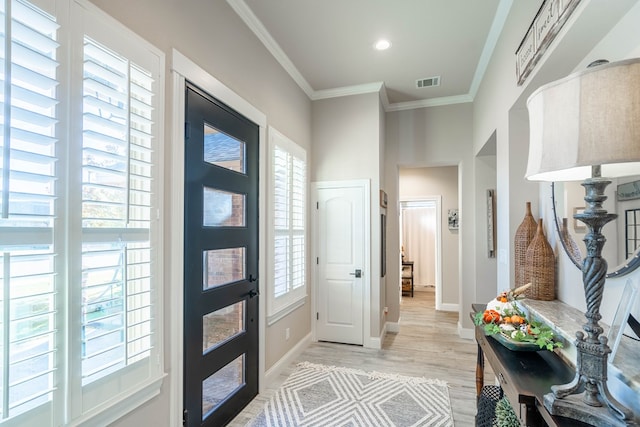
(220, 261)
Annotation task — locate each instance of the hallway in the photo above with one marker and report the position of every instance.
(427, 345)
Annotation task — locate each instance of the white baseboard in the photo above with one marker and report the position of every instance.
(393, 327)
(447, 307)
(376, 342)
(274, 372)
(466, 333)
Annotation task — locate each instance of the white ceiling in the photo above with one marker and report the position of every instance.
(327, 45)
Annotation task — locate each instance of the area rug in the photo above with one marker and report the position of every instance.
(322, 396)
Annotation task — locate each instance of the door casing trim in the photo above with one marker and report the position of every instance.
(368, 340)
(183, 69)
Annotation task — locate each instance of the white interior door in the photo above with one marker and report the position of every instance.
(340, 275)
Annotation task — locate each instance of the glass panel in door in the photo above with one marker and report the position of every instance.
(221, 385)
(222, 325)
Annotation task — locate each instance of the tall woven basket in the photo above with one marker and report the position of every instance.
(524, 235)
(571, 245)
(540, 268)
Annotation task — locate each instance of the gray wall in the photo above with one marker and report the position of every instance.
(346, 146)
(434, 136)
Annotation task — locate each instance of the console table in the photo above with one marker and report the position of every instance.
(525, 377)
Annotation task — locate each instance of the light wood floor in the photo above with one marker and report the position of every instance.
(427, 345)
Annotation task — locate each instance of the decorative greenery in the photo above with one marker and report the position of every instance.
(505, 415)
(529, 331)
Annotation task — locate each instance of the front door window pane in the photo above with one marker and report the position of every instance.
(222, 266)
(222, 208)
(222, 325)
(223, 150)
(221, 385)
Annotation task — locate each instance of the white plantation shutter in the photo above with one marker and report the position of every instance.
(116, 206)
(287, 287)
(27, 196)
(281, 204)
(298, 218)
(79, 313)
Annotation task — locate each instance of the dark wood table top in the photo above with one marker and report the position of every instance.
(533, 373)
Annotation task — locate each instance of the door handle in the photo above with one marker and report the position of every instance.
(357, 273)
(252, 293)
(252, 279)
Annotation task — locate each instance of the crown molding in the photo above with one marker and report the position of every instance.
(254, 24)
(433, 102)
(490, 44)
(384, 98)
(347, 91)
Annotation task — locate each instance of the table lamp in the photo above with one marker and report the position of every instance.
(587, 127)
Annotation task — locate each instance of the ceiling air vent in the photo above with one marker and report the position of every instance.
(428, 82)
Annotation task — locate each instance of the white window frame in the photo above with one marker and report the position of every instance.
(106, 400)
(281, 306)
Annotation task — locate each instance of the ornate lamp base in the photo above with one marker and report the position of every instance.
(573, 406)
(587, 397)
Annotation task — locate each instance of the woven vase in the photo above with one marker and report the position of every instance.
(571, 245)
(524, 235)
(540, 268)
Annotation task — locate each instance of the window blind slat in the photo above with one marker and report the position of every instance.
(112, 126)
(28, 137)
(33, 178)
(34, 18)
(105, 58)
(30, 97)
(33, 39)
(101, 108)
(24, 76)
(39, 62)
(33, 158)
(31, 118)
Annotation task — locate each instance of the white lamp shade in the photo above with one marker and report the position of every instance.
(588, 118)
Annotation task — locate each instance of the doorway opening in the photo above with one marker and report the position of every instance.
(436, 185)
(420, 240)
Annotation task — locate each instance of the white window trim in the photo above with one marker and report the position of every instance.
(128, 41)
(278, 308)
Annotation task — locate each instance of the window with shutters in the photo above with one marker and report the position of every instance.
(80, 233)
(288, 281)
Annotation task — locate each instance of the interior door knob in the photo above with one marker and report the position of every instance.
(357, 273)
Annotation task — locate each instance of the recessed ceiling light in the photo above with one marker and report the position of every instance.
(382, 44)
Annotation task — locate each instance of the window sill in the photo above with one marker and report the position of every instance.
(111, 411)
(286, 310)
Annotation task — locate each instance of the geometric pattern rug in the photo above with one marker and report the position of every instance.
(322, 396)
